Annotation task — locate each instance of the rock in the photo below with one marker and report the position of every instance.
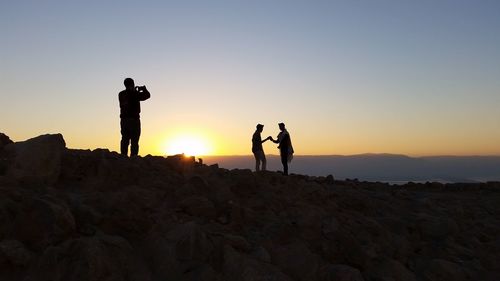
(401, 247)
(339, 272)
(37, 160)
(9, 209)
(296, 260)
(262, 254)
(15, 253)
(329, 179)
(199, 206)
(92, 259)
(108, 217)
(122, 213)
(42, 222)
(184, 249)
(86, 219)
(437, 270)
(4, 140)
(435, 227)
(181, 163)
(343, 247)
(161, 255)
(201, 272)
(199, 183)
(191, 243)
(237, 242)
(329, 227)
(245, 185)
(388, 269)
(239, 267)
(221, 195)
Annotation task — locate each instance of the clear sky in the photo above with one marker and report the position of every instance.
(347, 77)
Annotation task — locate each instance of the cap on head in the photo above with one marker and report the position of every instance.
(281, 124)
(259, 126)
(128, 82)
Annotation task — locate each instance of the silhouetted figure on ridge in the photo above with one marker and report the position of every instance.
(285, 147)
(258, 151)
(130, 109)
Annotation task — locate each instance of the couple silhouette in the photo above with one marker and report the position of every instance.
(284, 145)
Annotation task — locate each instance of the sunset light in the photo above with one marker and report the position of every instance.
(418, 78)
(188, 145)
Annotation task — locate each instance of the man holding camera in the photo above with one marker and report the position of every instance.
(130, 122)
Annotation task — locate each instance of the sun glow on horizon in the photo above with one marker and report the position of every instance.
(190, 145)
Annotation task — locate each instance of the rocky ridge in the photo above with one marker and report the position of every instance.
(95, 215)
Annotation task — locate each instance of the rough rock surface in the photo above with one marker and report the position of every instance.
(37, 160)
(95, 215)
(4, 140)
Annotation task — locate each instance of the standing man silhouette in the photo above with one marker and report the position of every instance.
(130, 109)
(285, 147)
(258, 151)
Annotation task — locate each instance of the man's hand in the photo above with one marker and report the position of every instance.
(140, 88)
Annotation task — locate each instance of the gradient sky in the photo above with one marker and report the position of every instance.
(347, 77)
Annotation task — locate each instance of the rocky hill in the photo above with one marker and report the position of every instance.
(95, 215)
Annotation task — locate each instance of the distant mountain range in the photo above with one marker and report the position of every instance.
(380, 167)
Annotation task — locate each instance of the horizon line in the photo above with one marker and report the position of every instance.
(314, 155)
(358, 154)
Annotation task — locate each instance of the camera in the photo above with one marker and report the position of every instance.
(140, 88)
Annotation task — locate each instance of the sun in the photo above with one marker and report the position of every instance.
(188, 145)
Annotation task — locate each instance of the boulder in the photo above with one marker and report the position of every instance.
(389, 269)
(329, 227)
(262, 254)
(203, 272)
(37, 160)
(91, 259)
(342, 247)
(244, 268)
(436, 227)
(199, 206)
(181, 163)
(8, 211)
(161, 256)
(439, 269)
(237, 242)
(339, 272)
(42, 222)
(121, 213)
(15, 253)
(329, 179)
(296, 260)
(191, 243)
(4, 140)
(186, 248)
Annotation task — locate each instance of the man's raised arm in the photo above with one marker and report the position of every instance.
(144, 94)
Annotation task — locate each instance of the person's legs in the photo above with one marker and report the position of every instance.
(124, 145)
(284, 161)
(125, 137)
(260, 157)
(134, 138)
(264, 161)
(257, 161)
